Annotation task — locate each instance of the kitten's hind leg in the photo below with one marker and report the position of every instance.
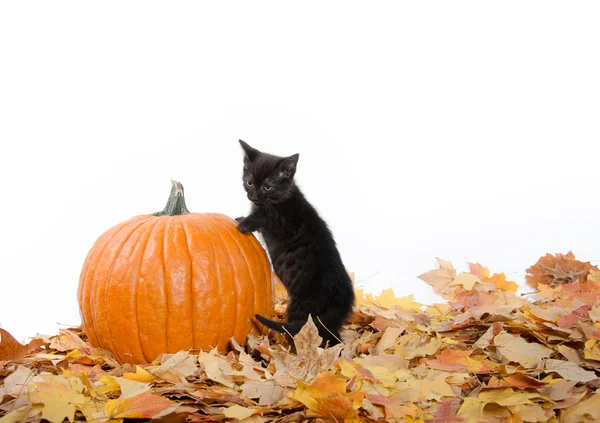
(329, 324)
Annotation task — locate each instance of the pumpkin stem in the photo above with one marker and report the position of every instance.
(176, 203)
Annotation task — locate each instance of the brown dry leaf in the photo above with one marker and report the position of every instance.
(440, 279)
(11, 349)
(309, 361)
(17, 383)
(177, 367)
(267, 392)
(570, 371)
(216, 367)
(586, 411)
(68, 341)
(557, 270)
(239, 412)
(520, 351)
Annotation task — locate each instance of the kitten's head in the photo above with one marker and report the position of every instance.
(268, 179)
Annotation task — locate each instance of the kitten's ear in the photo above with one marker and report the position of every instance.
(287, 167)
(251, 153)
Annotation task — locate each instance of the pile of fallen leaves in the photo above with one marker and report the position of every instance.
(487, 355)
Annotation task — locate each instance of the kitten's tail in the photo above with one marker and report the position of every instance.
(290, 327)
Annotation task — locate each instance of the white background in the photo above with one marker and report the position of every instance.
(462, 130)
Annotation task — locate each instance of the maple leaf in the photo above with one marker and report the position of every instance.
(557, 270)
(520, 351)
(59, 397)
(326, 397)
(310, 359)
(388, 299)
(498, 279)
(11, 349)
(440, 279)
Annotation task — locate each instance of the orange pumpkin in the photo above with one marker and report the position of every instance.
(173, 281)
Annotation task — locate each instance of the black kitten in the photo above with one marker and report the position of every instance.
(301, 246)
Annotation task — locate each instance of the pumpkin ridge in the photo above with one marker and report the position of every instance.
(166, 284)
(136, 290)
(192, 296)
(235, 274)
(215, 264)
(150, 312)
(87, 284)
(82, 294)
(197, 222)
(243, 254)
(125, 281)
(108, 281)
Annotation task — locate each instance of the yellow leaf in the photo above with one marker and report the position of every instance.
(59, 396)
(467, 280)
(74, 354)
(238, 412)
(471, 410)
(414, 345)
(140, 375)
(326, 397)
(92, 409)
(107, 385)
(508, 397)
(592, 349)
(388, 299)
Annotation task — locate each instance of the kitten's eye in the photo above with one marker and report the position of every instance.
(250, 184)
(268, 187)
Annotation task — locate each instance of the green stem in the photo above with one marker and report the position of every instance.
(176, 204)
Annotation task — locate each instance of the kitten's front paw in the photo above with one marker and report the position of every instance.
(243, 226)
(239, 219)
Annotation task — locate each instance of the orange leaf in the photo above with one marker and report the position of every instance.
(144, 405)
(11, 349)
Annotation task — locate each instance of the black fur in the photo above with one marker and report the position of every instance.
(301, 246)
